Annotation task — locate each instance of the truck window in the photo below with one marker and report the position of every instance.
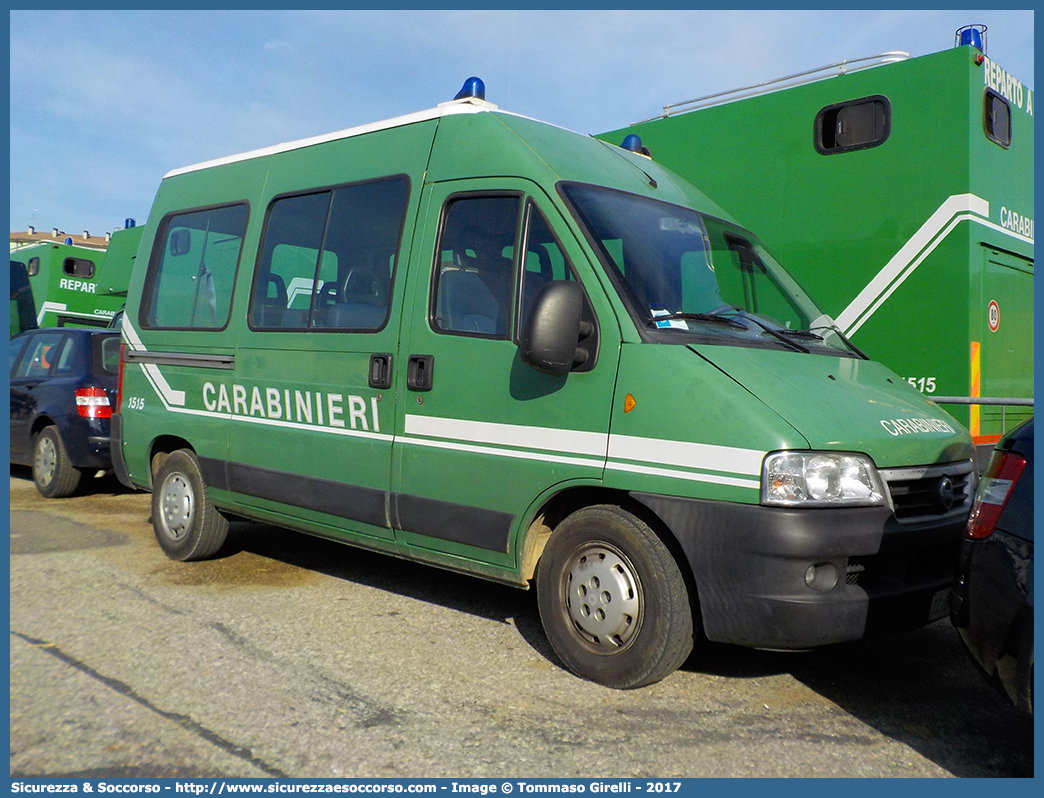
(996, 118)
(193, 268)
(473, 274)
(328, 258)
(853, 125)
(78, 267)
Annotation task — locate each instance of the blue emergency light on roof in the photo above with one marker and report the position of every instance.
(971, 35)
(129, 223)
(632, 142)
(68, 240)
(473, 87)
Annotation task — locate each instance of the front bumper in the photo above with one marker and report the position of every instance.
(750, 564)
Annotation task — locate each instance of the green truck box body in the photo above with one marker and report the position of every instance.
(910, 244)
(80, 286)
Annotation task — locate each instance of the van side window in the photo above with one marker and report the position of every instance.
(193, 268)
(543, 260)
(328, 258)
(78, 267)
(473, 275)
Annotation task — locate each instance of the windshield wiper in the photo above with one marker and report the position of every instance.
(800, 333)
(844, 339)
(775, 333)
(714, 318)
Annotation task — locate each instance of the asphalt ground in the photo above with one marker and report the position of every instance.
(291, 656)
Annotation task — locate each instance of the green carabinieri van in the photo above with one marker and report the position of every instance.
(487, 343)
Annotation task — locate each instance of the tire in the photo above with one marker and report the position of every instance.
(54, 475)
(186, 523)
(613, 602)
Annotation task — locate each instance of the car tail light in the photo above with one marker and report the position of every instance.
(993, 493)
(119, 379)
(93, 403)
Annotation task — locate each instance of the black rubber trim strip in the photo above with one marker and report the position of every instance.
(223, 362)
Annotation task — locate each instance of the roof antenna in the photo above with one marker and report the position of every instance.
(633, 143)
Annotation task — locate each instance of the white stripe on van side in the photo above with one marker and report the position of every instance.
(512, 435)
(692, 476)
(512, 453)
(724, 465)
(705, 456)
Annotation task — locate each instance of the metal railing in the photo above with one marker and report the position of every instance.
(797, 79)
(1002, 401)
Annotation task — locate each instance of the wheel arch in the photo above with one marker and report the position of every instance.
(160, 448)
(556, 508)
(40, 423)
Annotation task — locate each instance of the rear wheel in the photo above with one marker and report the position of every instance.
(54, 475)
(612, 599)
(186, 523)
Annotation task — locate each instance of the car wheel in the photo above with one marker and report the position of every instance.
(186, 523)
(54, 475)
(613, 602)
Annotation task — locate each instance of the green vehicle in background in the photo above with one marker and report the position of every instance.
(23, 307)
(479, 341)
(900, 197)
(79, 286)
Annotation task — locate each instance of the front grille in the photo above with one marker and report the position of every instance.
(931, 492)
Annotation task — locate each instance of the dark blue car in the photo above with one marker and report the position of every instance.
(63, 391)
(992, 601)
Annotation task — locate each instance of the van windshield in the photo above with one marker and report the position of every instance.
(685, 276)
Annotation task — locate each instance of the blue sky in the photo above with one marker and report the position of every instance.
(103, 104)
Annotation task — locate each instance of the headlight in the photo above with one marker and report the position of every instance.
(820, 479)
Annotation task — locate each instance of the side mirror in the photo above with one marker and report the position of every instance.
(548, 341)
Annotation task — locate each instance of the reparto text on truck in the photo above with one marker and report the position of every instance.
(487, 343)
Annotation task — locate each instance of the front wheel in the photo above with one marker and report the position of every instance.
(613, 602)
(186, 523)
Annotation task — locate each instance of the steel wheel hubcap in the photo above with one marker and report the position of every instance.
(603, 597)
(46, 459)
(176, 505)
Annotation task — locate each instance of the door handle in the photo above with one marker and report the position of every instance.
(381, 371)
(419, 370)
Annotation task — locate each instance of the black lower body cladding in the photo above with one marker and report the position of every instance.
(751, 565)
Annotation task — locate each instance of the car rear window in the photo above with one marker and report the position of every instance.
(40, 356)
